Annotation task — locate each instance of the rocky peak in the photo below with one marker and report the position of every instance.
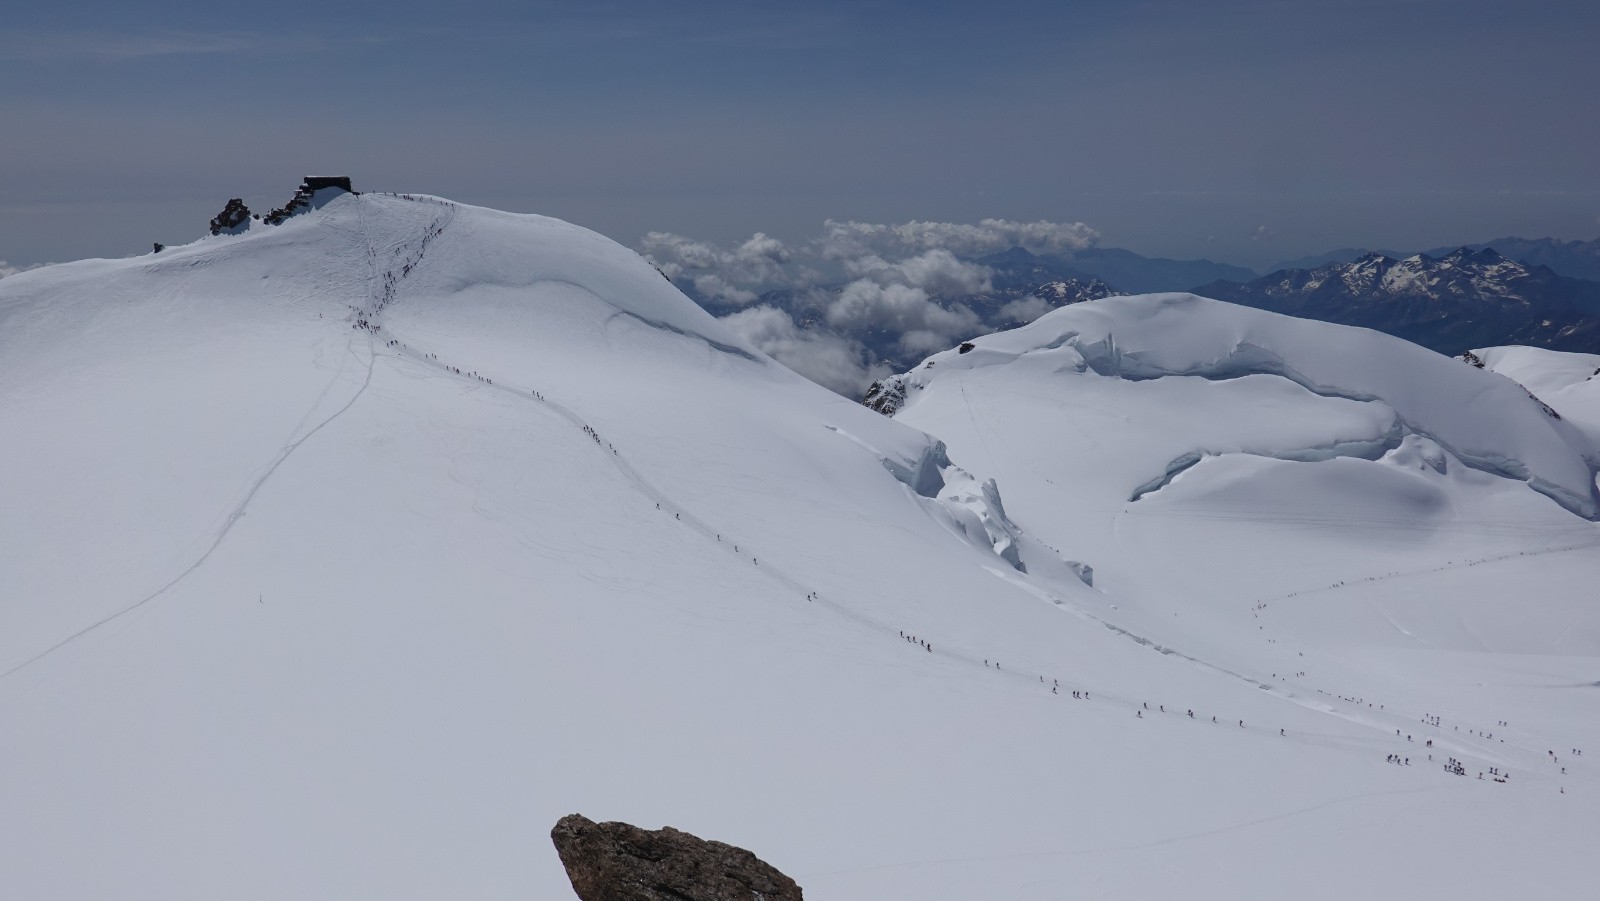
(886, 395)
(233, 218)
(312, 193)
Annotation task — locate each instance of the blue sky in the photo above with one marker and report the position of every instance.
(1243, 130)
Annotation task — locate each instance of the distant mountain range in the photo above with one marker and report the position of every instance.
(1573, 259)
(1450, 303)
(1342, 255)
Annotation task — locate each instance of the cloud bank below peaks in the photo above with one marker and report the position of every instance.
(853, 239)
(846, 306)
(832, 360)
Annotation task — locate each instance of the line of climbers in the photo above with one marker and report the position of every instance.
(1452, 765)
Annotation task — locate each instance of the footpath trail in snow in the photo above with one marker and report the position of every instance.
(233, 517)
(381, 286)
(1264, 603)
(796, 587)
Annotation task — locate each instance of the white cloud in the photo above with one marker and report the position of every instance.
(866, 304)
(926, 255)
(7, 269)
(923, 341)
(1025, 309)
(762, 247)
(120, 46)
(847, 240)
(899, 299)
(935, 271)
(716, 286)
(735, 275)
(832, 361)
(666, 247)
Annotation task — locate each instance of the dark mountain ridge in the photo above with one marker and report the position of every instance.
(1449, 303)
(1573, 259)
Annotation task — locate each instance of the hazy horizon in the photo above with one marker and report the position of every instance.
(1251, 132)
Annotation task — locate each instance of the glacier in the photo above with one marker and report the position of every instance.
(341, 557)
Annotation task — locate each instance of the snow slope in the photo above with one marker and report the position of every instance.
(1568, 382)
(343, 556)
(1184, 445)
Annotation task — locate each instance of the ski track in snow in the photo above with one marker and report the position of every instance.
(1261, 604)
(283, 453)
(233, 518)
(1275, 691)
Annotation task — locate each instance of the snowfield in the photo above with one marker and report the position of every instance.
(339, 559)
(1568, 382)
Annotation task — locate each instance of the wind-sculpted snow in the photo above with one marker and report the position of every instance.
(967, 506)
(1482, 420)
(1169, 436)
(1568, 382)
(340, 557)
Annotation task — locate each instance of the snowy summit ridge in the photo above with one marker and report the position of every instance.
(1487, 422)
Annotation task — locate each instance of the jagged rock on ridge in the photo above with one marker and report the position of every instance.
(886, 396)
(621, 862)
(234, 215)
(305, 195)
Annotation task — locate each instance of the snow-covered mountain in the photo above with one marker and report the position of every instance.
(1464, 299)
(1573, 259)
(343, 556)
(1342, 255)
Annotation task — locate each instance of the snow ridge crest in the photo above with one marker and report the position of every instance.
(1489, 424)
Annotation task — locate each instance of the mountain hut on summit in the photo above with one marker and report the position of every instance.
(301, 201)
(315, 183)
(235, 216)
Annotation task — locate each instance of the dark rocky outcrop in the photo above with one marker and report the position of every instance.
(306, 194)
(886, 395)
(234, 216)
(619, 862)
